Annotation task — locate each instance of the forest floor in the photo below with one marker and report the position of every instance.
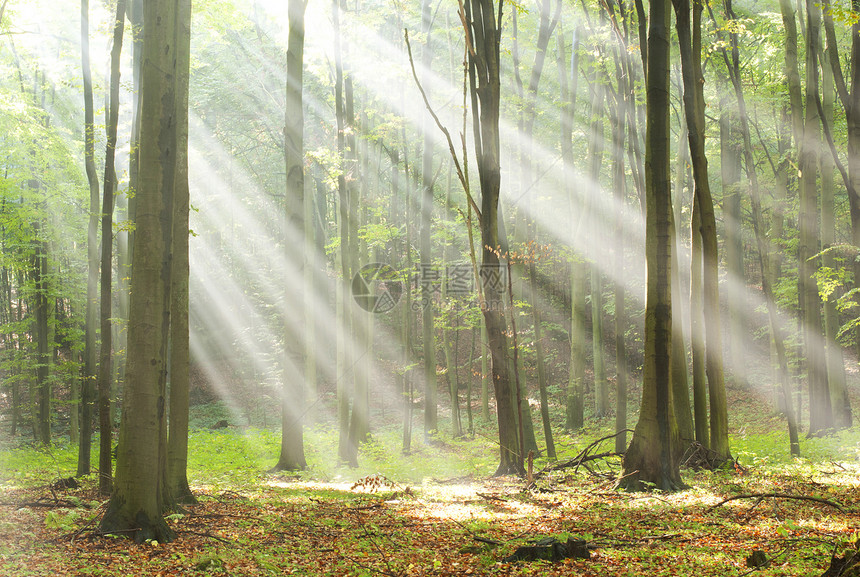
(438, 511)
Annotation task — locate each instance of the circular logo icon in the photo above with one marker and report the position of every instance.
(376, 287)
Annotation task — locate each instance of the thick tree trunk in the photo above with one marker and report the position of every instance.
(136, 505)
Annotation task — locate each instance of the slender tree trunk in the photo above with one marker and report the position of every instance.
(680, 376)
(680, 382)
(176, 479)
(347, 450)
(358, 424)
(834, 361)
(105, 353)
(431, 384)
(39, 274)
(89, 373)
(730, 170)
(482, 19)
(547, 25)
(849, 95)
(618, 186)
(690, 41)
(292, 455)
(574, 404)
(601, 386)
(820, 411)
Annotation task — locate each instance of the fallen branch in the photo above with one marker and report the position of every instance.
(489, 497)
(583, 456)
(778, 496)
(55, 504)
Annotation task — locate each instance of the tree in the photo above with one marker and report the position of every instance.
(136, 504)
(482, 21)
(292, 401)
(654, 453)
(431, 384)
(347, 450)
(820, 410)
(850, 100)
(176, 477)
(89, 372)
(105, 372)
(690, 41)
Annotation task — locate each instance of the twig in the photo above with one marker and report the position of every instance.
(487, 541)
(490, 497)
(193, 515)
(207, 534)
(778, 496)
(56, 504)
(444, 130)
(88, 523)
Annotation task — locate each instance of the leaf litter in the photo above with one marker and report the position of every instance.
(727, 523)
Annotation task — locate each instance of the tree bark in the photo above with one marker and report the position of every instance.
(136, 504)
(292, 455)
(176, 481)
(653, 456)
(105, 352)
(820, 410)
(690, 40)
(431, 385)
(482, 20)
(89, 373)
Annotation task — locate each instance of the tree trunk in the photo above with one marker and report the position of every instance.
(601, 386)
(820, 410)
(574, 403)
(176, 480)
(694, 109)
(39, 274)
(347, 451)
(136, 505)
(293, 393)
(653, 456)
(833, 360)
(431, 384)
(105, 353)
(730, 170)
(482, 20)
(89, 372)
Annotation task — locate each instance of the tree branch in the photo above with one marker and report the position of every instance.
(778, 496)
(444, 130)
